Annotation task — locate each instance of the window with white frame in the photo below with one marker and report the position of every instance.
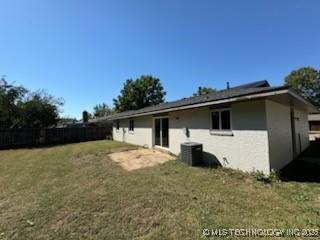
(221, 119)
(118, 124)
(131, 125)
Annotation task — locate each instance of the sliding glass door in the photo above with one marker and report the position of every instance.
(161, 135)
(157, 128)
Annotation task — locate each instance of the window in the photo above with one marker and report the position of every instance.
(131, 125)
(215, 120)
(225, 120)
(118, 124)
(221, 119)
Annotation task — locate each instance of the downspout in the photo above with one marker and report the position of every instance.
(293, 131)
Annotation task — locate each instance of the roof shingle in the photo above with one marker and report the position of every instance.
(216, 96)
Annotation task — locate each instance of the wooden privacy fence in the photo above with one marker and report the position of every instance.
(20, 137)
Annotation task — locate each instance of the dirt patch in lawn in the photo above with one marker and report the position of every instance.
(140, 158)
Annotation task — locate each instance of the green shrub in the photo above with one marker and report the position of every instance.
(274, 176)
(262, 177)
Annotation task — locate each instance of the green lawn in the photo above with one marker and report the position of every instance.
(75, 192)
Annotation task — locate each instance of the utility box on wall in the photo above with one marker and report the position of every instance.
(191, 153)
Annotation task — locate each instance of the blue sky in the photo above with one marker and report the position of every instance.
(83, 51)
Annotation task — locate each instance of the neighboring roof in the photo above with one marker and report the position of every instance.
(207, 98)
(314, 117)
(93, 120)
(98, 120)
(262, 83)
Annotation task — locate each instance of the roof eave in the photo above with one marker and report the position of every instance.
(311, 108)
(215, 102)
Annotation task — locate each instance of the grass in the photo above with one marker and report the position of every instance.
(75, 192)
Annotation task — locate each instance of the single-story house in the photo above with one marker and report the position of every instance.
(249, 127)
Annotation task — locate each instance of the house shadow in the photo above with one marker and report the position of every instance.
(306, 168)
(301, 171)
(210, 160)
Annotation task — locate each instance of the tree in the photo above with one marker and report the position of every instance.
(10, 95)
(86, 116)
(306, 81)
(101, 110)
(39, 110)
(20, 107)
(204, 90)
(142, 92)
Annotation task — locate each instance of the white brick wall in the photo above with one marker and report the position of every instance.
(246, 150)
(142, 134)
(302, 129)
(280, 133)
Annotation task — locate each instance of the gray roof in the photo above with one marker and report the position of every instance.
(216, 96)
(262, 83)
